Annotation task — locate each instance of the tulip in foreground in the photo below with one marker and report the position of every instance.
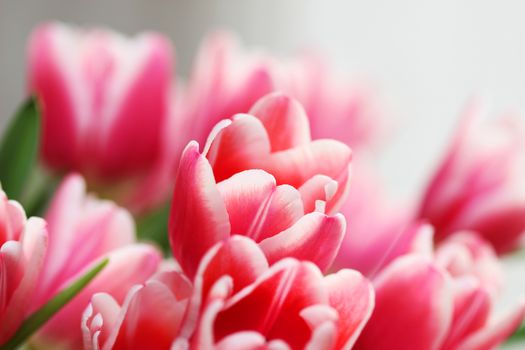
(478, 186)
(106, 107)
(223, 191)
(82, 231)
(22, 248)
(440, 301)
(238, 302)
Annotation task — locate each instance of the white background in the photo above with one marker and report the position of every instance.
(427, 58)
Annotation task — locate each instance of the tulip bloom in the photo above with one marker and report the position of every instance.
(82, 231)
(478, 185)
(22, 249)
(106, 106)
(228, 193)
(237, 302)
(150, 317)
(227, 79)
(440, 301)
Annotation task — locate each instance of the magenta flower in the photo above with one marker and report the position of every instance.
(227, 79)
(478, 186)
(237, 302)
(23, 245)
(276, 206)
(82, 231)
(106, 106)
(442, 300)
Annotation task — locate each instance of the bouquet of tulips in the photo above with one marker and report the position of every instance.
(240, 209)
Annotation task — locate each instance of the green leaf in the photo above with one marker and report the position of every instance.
(19, 149)
(519, 335)
(40, 317)
(154, 227)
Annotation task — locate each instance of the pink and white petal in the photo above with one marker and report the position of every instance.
(284, 119)
(297, 165)
(413, 307)
(99, 321)
(472, 307)
(28, 258)
(47, 80)
(142, 109)
(495, 333)
(315, 237)
(198, 217)
(352, 296)
(318, 188)
(242, 145)
(239, 258)
(257, 208)
(152, 318)
(127, 267)
(81, 229)
(272, 305)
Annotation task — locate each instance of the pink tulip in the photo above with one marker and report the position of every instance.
(241, 303)
(249, 203)
(227, 79)
(82, 231)
(150, 317)
(237, 302)
(337, 108)
(22, 249)
(478, 185)
(106, 106)
(378, 229)
(224, 81)
(440, 301)
(228, 193)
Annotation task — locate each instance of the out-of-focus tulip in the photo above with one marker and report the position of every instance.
(82, 231)
(227, 193)
(241, 303)
(106, 107)
(22, 249)
(378, 229)
(227, 79)
(479, 184)
(150, 318)
(441, 300)
(224, 81)
(337, 109)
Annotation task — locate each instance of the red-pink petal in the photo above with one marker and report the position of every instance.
(198, 217)
(413, 307)
(284, 120)
(315, 237)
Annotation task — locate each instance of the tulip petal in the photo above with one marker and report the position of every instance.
(352, 296)
(284, 120)
(257, 208)
(411, 293)
(494, 334)
(315, 237)
(198, 217)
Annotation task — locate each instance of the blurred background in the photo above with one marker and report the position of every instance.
(425, 58)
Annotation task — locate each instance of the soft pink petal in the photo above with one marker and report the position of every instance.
(496, 333)
(198, 217)
(413, 307)
(284, 120)
(315, 237)
(352, 296)
(257, 208)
